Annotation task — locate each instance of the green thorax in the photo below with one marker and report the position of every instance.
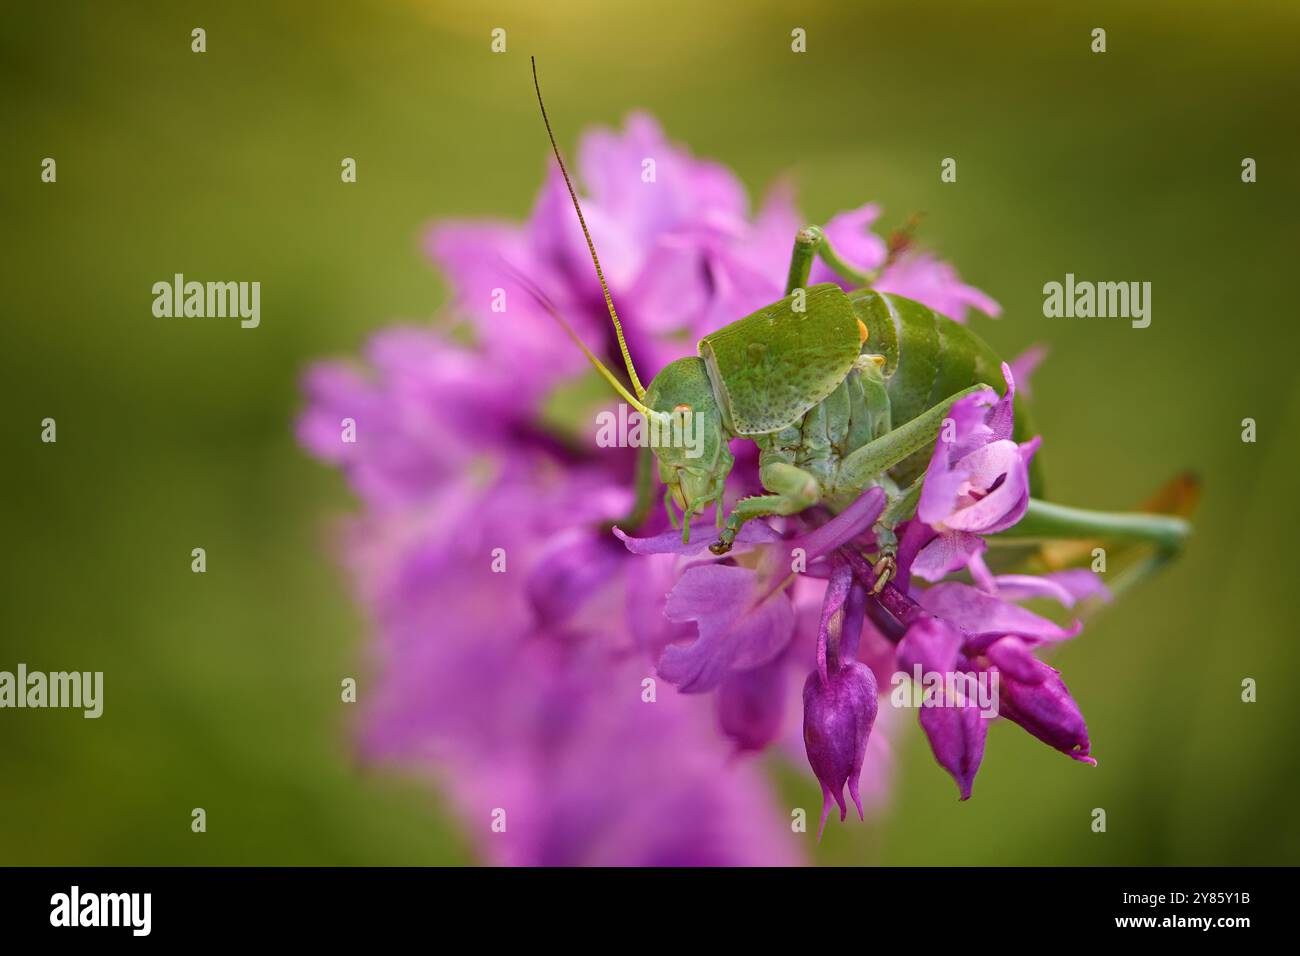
(772, 366)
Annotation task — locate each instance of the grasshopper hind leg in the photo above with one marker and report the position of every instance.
(870, 464)
(811, 243)
(901, 507)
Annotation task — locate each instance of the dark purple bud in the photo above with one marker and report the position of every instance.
(1046, 709)
(837, 719)
(832, 619)
(951, 718)
(855, 618)
(1015, 659)
(956, 732)
(750, 705)
(930, 644)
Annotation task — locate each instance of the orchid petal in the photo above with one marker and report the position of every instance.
(738, 627)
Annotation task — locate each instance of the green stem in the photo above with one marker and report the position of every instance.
(1044, 521)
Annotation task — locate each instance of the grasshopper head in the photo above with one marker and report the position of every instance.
(688, 436)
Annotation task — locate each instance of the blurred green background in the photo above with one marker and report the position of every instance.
(222, 689)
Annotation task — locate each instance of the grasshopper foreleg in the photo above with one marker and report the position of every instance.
(793, 490)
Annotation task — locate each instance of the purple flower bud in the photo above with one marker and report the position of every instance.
(954, 725)
(930, 644)
(1046, 709)
(956, 732)
(837, 719)
(1016, 660)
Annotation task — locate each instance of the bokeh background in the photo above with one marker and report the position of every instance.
(222, 688)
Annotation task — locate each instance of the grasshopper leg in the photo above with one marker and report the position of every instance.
(793, 490)
(901, 507)
(810, 243)
(863, 466)
(886, 567)
(869, 465)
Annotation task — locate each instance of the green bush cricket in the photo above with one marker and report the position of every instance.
(840, 391)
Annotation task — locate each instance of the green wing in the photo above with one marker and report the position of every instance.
(928, 357)
(773, 365)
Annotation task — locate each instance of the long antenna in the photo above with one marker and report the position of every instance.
(531, 288)
(609, 303)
